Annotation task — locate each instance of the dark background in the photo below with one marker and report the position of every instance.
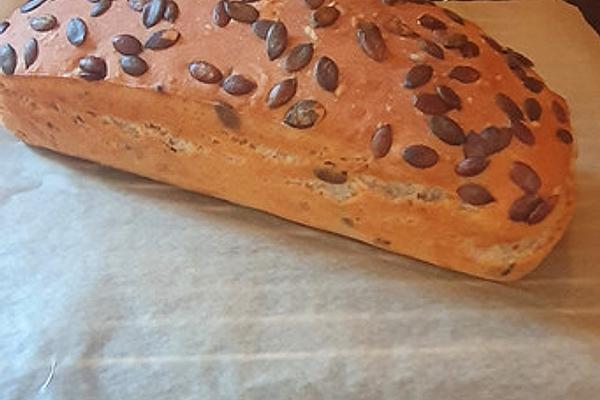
(591, 11)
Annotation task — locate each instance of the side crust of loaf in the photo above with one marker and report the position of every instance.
(184, 143)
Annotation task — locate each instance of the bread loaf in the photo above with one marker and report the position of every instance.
(397, 123)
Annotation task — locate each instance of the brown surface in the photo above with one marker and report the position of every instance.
(181, 131)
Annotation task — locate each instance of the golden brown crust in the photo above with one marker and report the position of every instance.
(380, 200)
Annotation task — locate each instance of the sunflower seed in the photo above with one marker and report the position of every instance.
(464, 74)
(238, 85)
(327, 73)
(30, 53)
(282, 92)
(420, 156)
(76, 31)
(304, 114)
(277, 38)
(370, 40)
(205, 72)
(162, 39)
(474, 194)
(381, 142)
(8, 59)
(92, 68)
(43, 23)
(447, 130)
(127, 45)
(299, 57)
(525, 177)
(324, 17)
(418, 76)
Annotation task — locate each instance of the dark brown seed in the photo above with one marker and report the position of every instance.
(418, 76)
(277, 38)
(474, 194)
(219, 15)
(282, 92)
(324, 16)
(514, 57)
(519, 72)
(397, 27)
(31, 52)
(304, 114)
(43, 23)
(137, 5)
(430, 22)
(496, 139)
(525, 177)
(205, 72)
(454, 40)
(133, 65)
(469, 50)
(454, 16)
(542, 210)
(331, 174)
(420, 156)
(447, 130)
(314, 4)
(493, 44)
(327, 73)
(430, 104)
(4, 26)
(241, 11)
(76, 31)
(370, 40)
(227, 115)
(31, 5)
(8, 59)
(533, 109)
(464, 74)
(238, 85)
(475, 146)
(559, 112)
(511, 108)
(471, 166)
(522, 132)
(431, 48)
(153, 12)
(564, 136)
(533, 84)
(523, 207)
(449, 97)
(512, 61)
(162, 39)
(127, 45)
(381, 142)
(100, 8)
(421, 2)
(171, 12)
(261, 27)
(299, 57)
(92, 68)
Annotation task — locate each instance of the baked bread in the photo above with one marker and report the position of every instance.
(396, 123)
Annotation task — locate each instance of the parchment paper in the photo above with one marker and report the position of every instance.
(116, 287)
